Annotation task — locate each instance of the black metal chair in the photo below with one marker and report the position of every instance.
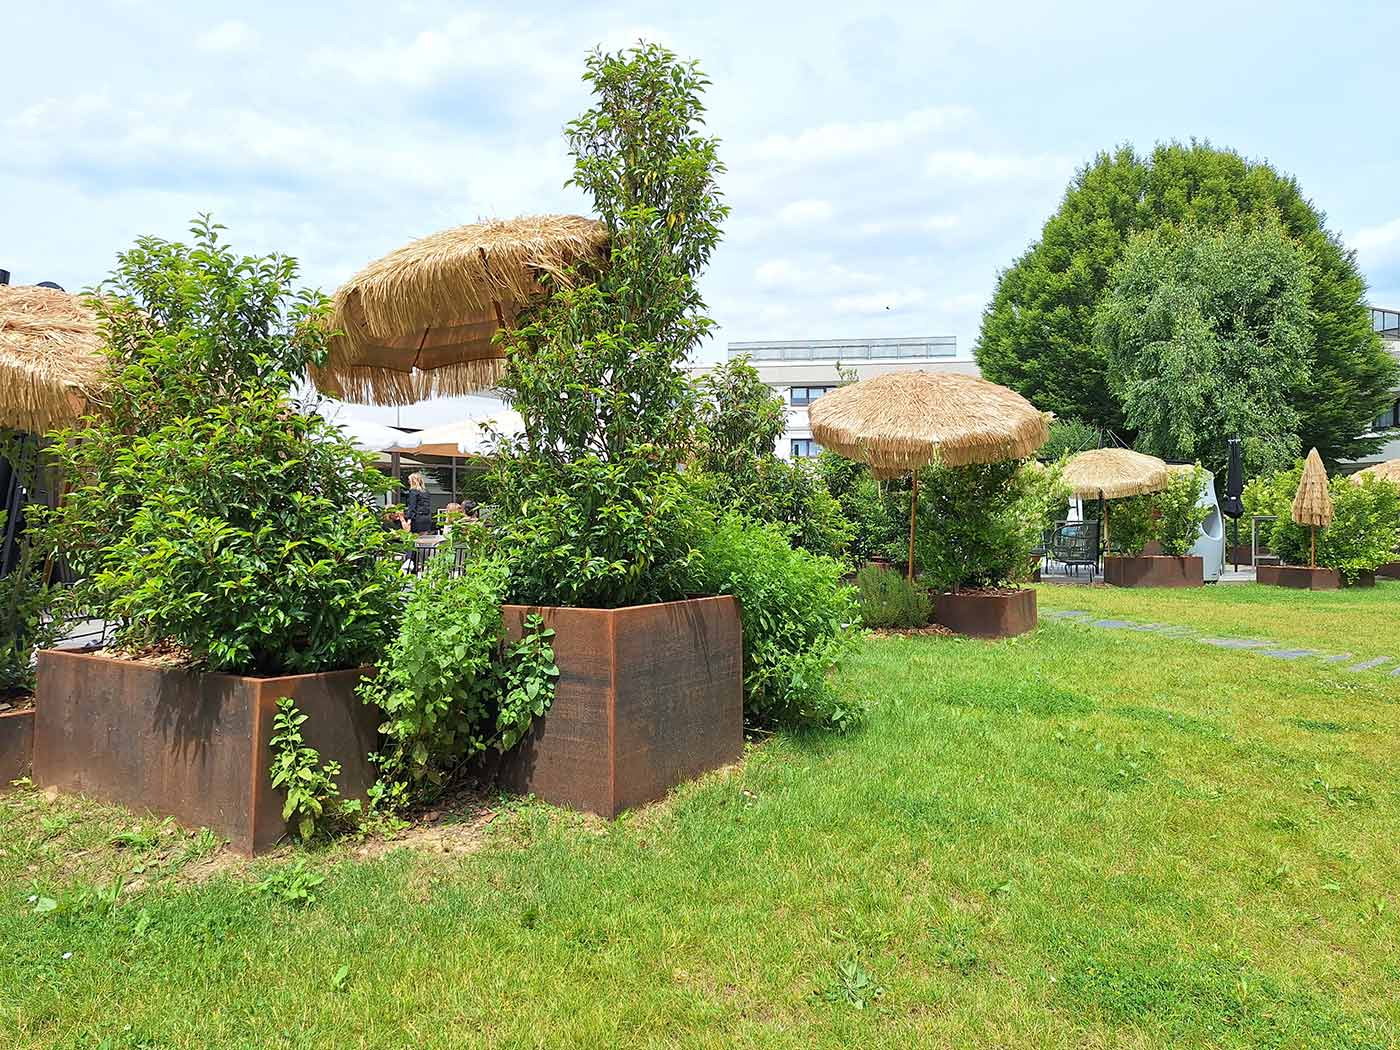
(1075, 545)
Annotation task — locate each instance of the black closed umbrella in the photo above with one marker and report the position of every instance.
(1232, 506)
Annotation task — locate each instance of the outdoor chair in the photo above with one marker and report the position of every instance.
(1075, 545)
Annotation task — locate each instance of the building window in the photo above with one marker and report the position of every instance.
(1388, 419)
(805, 395)
(804, 447)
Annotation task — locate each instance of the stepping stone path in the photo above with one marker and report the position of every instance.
(1258, 645)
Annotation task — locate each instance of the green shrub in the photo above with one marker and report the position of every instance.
(887, 599)
(1179, 512)
(205, 508)
(1363, 536)
(798, 620)
(1129, 525)
(872, 518)
(1068, 436)
(313, 804)
(977, 525)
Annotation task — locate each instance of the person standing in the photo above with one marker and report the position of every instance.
(418, 510)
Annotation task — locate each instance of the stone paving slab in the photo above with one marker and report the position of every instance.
(1290, 654)
(1366, 665)
(1339, 658)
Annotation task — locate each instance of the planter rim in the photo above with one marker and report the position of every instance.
(623, 608)
(101, 655)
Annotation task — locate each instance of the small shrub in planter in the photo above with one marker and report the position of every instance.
(1365, 529)
(875, 527)
(1172, 519)
(887, 599)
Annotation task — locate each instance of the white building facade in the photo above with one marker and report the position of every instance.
(802, 370)
(1387, 323)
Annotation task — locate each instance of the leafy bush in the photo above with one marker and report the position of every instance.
(589, 500)
(313, 804)
(1068, 436)
(206, 509)
(873, 522)
(978, 524)
(798, 620)
(1363, 536)
(1129, 524)
(446, 686)
(1179, 512)
(887, 599)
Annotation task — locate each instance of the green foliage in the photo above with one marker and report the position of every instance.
(33, 613)
(1180, 513)
(887, 599)
(735, 468)
(1363, 536)
(978, 524)
(206, 509)
(447, 689)
(292, 884)
(797, 616)
(313, 804)
(590, 499)
(1068, 436)
(1129, 524)
(1272, 493)
(875, 526)
(1038, 331)
(1208, 336)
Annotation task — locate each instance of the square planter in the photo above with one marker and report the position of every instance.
(1390, 570)
(647, 698)
(1154, 570)
(1299, 577)
(189, 745)
(987, 614)
(16, 745)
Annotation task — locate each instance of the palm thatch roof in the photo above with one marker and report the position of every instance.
(420, 322)
(1113, 473)
(51, 359)
(1387, 471)
(1312, 505)
(900, 422)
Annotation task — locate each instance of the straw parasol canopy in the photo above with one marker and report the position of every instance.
(1387, 471)
(420, 322)
(900, 422)
(51, 359)
(1312, 506)
(1113, 473)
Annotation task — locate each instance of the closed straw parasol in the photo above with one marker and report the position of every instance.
(51, 360)
(1114, 473)
(420, 322)
(903, 421)
(1312, 504)
(1387, 471)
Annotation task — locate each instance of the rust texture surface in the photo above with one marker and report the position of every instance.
(1299, 576)
(188, 745)
(987, 615)
(648, 697)
(16, 745)
(1154, 571)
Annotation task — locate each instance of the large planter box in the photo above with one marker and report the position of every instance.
(1390, 570)
(647, 697)
(1299, 577)
(16, 745)
(987, 614)
(1154, 570)
(189, 745)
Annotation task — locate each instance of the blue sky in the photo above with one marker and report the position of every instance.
(884, 160)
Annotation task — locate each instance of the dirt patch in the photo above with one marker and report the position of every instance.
(909, 632)
(455, 823)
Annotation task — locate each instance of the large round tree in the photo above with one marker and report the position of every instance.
(1038, 331)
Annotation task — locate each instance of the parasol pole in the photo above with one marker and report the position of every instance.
(913, 508)
(1312, 553)
(1104, 504)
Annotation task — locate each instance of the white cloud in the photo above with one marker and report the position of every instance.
(928, 224)
(1378, 244)
(225, 37)
(844, 141)
(819, 275)
(805, 212)
(972, 166)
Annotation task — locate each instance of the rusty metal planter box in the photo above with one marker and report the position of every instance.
(16, 744)
(981, 615)
(1154, 570)
(1390, 570)
(647, 698)
(190, 745)
(1299, 577)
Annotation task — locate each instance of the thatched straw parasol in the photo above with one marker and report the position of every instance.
(1114, 473)
(51, 360)
(419, 322)
(1387, 471)
(903, 421)
(1312, 504)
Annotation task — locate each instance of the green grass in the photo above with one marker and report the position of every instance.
(1079, 838)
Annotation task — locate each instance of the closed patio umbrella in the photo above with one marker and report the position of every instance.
(901, 422)
(421, 321)
(1312, 503)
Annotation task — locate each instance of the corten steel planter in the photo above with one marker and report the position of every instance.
(647, 698)
(1390, 570)
(189, 745)
(1154, 570)
(1299, 577)
(987, 614)
(16, 745)
(1363, 579)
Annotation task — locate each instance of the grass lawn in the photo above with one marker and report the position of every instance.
(1079, 838)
